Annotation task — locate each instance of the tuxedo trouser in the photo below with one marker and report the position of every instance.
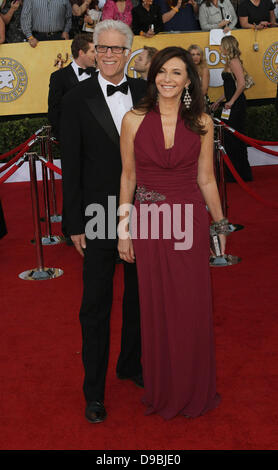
(98, 271)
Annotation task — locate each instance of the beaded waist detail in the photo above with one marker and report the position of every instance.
(143, 195)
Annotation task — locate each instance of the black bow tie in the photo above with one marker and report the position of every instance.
(88, 70)
(123, 88)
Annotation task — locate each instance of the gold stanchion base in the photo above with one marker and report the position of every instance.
(221, 261)
(41, 274)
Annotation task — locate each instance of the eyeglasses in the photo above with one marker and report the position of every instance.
(113, 49)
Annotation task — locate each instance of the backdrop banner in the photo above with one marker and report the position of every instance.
(25, 72)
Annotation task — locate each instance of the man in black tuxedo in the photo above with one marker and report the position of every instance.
(63, 80)
(91, 164)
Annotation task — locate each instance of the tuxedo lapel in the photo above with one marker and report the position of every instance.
(101, 112)
(72, 79)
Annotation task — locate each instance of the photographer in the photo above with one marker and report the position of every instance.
(216, 14)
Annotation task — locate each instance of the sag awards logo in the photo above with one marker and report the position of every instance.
(13, 80)
(270, 62)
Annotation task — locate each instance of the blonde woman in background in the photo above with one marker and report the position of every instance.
(197, 55)
(235, 101)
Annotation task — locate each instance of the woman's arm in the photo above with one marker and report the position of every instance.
(237, 71)
(79, 10)
(206, 177)
(171, 13)
(2, 30)
(205, 80)
(272, 18)
(8, 16)
(128, 185)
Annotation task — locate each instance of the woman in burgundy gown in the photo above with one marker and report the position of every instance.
(167, 151)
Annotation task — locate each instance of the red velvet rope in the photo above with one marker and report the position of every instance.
(249, 140)
(244, 185)
(53, 168)
(16, 149)
(13, 160)
(11, 171)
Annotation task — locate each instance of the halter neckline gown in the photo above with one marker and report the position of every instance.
(174, 284)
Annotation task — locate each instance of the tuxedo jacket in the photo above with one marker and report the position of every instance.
(90, 150)
(61, 81)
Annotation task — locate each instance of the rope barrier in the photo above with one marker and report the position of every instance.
(51, 166)
(247, 140)
(12, 170)
(23, 144)
(20, 154)
(242, 183)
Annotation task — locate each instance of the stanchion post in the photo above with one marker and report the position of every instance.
(40, 273)
(49, 238)
(55, 217)
(32, 157)
(220, 176)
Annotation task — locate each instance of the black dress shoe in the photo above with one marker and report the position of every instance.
(95, 412)
(137, 379)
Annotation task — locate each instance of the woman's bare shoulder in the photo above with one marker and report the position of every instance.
(132, 120)
(206, 121)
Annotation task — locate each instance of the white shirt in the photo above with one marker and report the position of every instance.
(118, 103)
(84, 75)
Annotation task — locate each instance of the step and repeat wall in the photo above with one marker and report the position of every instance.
(25, 72)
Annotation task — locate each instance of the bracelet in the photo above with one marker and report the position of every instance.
(30, 37)
(221, 227)
(176, 9)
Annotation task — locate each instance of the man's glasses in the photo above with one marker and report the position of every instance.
(113, 49)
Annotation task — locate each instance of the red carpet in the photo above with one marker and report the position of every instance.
(42, 405)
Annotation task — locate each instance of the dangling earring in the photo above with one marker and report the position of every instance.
(187, 98)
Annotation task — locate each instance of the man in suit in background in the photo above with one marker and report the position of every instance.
(143, 61)
(61, 81)
(91, 163)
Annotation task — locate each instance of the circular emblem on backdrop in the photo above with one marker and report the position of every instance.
(129, 69)
(270, 62)
(13, 80)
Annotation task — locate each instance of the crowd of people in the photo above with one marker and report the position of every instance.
(37, 20)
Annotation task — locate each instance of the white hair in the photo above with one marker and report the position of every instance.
(107, 25)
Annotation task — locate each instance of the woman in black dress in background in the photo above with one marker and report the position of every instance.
(234, 85)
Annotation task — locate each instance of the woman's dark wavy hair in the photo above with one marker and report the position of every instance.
(190, 116)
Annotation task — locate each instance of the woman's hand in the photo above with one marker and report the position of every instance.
(223, 23)
(215, 105)
(15, 4)
(149, 33)
(126, 251)
(228, 104)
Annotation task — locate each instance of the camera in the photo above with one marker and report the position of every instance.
(228, 18)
